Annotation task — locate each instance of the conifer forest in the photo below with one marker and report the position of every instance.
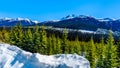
(103, 54)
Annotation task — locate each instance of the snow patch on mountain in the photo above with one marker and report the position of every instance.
(21, 19)
(6, 18)
(55, 20)
(35, 21)
(14, 57)
(106, 19)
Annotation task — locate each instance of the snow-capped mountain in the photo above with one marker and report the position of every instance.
(68, 17)
(71, 21)
(14, 57)
(12, 22)
(106, 19)
(85, 23)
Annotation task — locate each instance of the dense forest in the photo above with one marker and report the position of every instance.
(100, 55)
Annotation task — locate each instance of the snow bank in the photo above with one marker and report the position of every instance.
(14, 57)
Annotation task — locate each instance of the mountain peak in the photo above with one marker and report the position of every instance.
(21, 19)
(68, 17)
(106, 19)
(6, 18)
(12, 22)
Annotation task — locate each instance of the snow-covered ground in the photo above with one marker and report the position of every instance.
(14, 57)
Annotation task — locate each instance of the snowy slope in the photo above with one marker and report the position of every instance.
(12, 22)
(14, 57)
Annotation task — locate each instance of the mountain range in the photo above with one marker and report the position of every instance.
(71, 22)
(12, 22)
(85, 23)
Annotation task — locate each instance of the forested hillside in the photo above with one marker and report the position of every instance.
(85, 23)
(102, 55)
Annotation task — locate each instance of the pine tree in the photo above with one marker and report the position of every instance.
(64, 42)
(110, 53)
(53, 44)
(118, 53)
(43, 41)
(36, 40)
(76, 46)
(28, 41)
(100, 50)
(49, 47)
(82, 49)
(91, 53)
(4, 35)
(0, 36)
(58, 46)
(71, 47)
(16, 35)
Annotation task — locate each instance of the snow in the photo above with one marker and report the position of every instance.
(106, 19)
(55, 20)
(86, 31)
(35, 21)
(82, 16)
(6, 18)
(20, 19)
(14, 57)
(72, 30)
(26, 19)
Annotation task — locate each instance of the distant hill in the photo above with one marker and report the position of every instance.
(85, 23)
(81, 22)
(12, 22)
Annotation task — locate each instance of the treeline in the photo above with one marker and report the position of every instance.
(100, 55)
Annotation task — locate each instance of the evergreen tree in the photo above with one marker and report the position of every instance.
(36, 40)
(91, 53)
(53, 44)
(49, 47)
(16, 35)
(4, 35)
(71, 47)
(118, 53)
(28, 40)
(110, 53)
(64, 42)
(82, 49)
(58, 46)
(43, 41)
(0, 36)
(100, 49)
(76, 46)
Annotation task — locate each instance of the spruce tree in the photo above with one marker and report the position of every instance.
(36, 39)
(91, 53)
(28, 40)
(110, 53)
(64, 41)
(118, 53)
(100, 49)
(82, 49)
(16, 35)
(43, 41)
(49, 46)
(71, 47)
(53, 44)
(58, 46)
(4, 35)
(0, 36)
(76, 46)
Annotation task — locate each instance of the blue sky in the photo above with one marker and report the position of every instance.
(55, 9)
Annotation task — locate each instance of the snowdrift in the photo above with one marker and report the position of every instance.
(14, 57)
